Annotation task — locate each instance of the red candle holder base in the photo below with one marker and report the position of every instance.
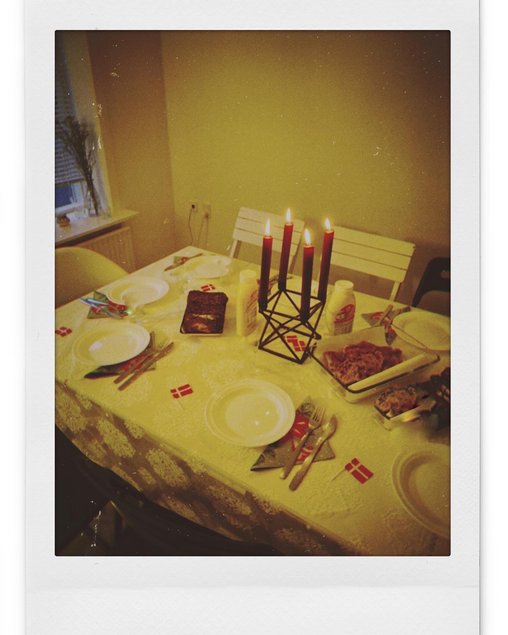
(285, 333)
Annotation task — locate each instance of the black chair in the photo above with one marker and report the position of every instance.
(152, 530)
(436, 277)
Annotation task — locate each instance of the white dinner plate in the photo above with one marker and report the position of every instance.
(430, 329)
(250, 413)
(422, 482)
(205, 267)
(111, 342)
(137, 291)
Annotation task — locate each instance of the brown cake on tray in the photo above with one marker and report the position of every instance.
(204, 313)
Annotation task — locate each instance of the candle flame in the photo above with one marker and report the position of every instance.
(288, 216)
(306, 235)
(328, 225)
(267, 227)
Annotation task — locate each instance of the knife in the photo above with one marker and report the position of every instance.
(146, 365)
(326, 432)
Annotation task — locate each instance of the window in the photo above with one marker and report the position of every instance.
(69, 182)
(78, 180)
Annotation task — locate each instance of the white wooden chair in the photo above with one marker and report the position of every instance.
(250, 228)
(379, 256)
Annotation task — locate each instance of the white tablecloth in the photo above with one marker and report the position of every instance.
(163, 447)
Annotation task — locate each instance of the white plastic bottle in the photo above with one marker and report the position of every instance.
(340, 308)
(246, 302)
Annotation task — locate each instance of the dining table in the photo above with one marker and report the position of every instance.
(155, 434)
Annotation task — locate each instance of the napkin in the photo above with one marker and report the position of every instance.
(373, 318)
(94, 313)
(178, 261)
(116, 369)
(276, 454)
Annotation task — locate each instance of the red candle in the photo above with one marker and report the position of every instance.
(308, 258)
(326, 256)
(266, 260)
(286, 250)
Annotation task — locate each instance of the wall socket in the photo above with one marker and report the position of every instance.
(194, 206)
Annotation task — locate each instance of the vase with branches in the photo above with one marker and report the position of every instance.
(79, 141)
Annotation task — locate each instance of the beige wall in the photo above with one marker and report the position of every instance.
(354, 125)
(351, 125)
(127, 74)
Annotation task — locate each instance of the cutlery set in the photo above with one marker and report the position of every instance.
(181, 261)
(110, 309)
(127, 377)
(314, 422)
(326, 431)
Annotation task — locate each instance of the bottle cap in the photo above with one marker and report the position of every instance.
(247, 274)
(344, 285)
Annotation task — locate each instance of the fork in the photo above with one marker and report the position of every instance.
(314, 422)
(425, 405)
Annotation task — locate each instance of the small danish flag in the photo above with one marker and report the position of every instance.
(181, 391)
(359, 471)
(298, 345)
(63, 331)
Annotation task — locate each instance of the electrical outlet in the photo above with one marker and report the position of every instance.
(207, 210)
(194, 206)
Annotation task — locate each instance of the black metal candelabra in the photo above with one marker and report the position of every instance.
(287, 333)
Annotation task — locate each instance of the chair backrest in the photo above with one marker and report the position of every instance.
(379, 256)
(250, 228)
(79, 271)
(436, 277)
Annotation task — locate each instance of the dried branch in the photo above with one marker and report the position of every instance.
(79, 142)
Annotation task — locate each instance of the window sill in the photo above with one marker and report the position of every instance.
(81, 227)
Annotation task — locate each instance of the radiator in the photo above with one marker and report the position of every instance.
(115, 245)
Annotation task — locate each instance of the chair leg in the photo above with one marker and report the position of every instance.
(235, 247)
(395, 290)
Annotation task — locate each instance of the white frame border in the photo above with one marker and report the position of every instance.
(47, 573)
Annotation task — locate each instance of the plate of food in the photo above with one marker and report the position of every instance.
(422, 482)
(401, 404)
(110, 342)
(209, 267)
(137, 291)
(250, 413)
(430, 329)
(361, 363)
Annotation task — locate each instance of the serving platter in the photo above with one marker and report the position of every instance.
(414, 358)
